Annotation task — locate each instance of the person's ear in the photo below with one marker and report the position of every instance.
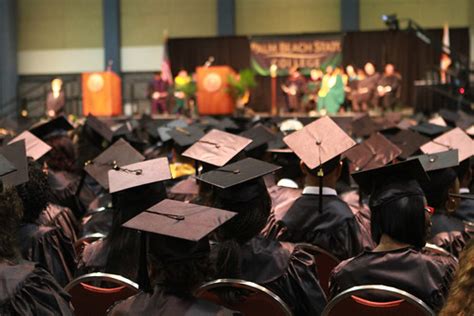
(304, 168)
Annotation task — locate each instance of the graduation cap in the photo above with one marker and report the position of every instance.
(438, 120)
(290, 125)
(408, 141)
(16, 154)
(277, 144)
(449, 116)
(374, 152)
(116, 156)
(6, 167)
(177, 232)
(260, 136)
(217, 147)
(100, 127)
(56, 125)
(138, 174)
(187, 186)
(406, 123)
(186, 136)
(454, 139)
(35, 147)
(238, 172)
(227, 124)
(164, 130)
(369, 179)
(428, 129)
(437, 161)
(364, 126)
(344, 122)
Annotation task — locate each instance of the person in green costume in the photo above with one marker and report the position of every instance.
(331, 94)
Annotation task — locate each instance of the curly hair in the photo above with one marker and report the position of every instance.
(35, 194)
(11, 211)
(460, 301)
(63, 155)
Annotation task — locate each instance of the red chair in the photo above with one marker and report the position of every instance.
(325, 262)
(92, 300)
(246, 297)
(351, 303)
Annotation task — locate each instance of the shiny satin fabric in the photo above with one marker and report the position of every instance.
(427, 277)
(291, 274)
(334, 229)
(449, 233)
(159, 303)
(62, 217)
(26, 289)
(49, 247)
(93, 258)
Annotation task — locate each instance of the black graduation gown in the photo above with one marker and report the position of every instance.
(160, 303)
(448, 232)
(427, 277)
(369, 83)
(27, 289)
(465, 211)
(93, 258)
(282, 199)
(334, 229)
(64, 186)
(62, 217)
(289, 273)
(390, 98)
(100, 222)
(49, 247)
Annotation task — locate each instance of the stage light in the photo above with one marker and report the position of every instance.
(461, 90)
(391, 21)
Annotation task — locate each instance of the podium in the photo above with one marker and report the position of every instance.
(101, 94)
(212, 95)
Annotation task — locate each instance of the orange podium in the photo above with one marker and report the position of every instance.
(101, 94)
(212, 95)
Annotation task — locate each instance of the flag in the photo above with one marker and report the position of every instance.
(165, 64)
(445, 60)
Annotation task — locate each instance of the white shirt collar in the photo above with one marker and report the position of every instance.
(315, 190)
(464, 191)
(287, 183)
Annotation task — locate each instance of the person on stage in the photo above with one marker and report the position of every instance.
(388, 88)
(312, 88)
(351, 81)
(294, 88)
(181, 84)
(55, 100)
(366, 91)
(331, 94)
(158, 92)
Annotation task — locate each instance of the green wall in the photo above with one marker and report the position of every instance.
(59, 24)
(285, 16)
(427, 13)
(143, 21)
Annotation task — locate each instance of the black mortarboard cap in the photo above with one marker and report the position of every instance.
(35, 147)
(56, 125)
(437, 161)
(186, 136)
(260, 136)
(408, 141)
(16, 154)
(428, 129)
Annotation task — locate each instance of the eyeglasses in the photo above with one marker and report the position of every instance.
(429, 209)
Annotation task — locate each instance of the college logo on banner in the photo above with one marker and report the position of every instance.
(307, 52)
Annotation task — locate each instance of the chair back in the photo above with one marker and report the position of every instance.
(325, 262)
(246, 297)
(92, 300)
(397, 302)
(82, 242)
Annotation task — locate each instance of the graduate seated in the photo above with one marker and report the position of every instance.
(366, 95)
(388, 88)
(400, 225)
(174, 262)
(25, 287)
(319, 216)
(242, 254)
(47, 245)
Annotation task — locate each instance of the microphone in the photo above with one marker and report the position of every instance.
(209, 61)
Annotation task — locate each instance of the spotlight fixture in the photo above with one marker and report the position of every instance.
(391, 21)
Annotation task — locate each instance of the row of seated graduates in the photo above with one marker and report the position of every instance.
(75, 194)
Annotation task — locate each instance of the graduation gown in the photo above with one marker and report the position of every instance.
(291, 274)
(427, 277)
(390, 98)
(49, 247)
(334, 229)
(331, 94)
(448, 232)
(56, 104)
(162, 304)
(93, 258)
(282, 199)
(62, 217)
(465, 211)
(100, 222)
(366, 91)
(27, 289)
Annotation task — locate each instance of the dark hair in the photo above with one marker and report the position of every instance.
(328, 166)
(290, 164)
(63, 155)
(397, 210)
(127, 204)
(252, 215)
(176, 277)
(35, 194)
(463, 169)
(437, 189)
(11, 211)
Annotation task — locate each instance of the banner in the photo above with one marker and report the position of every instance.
(306, 52)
